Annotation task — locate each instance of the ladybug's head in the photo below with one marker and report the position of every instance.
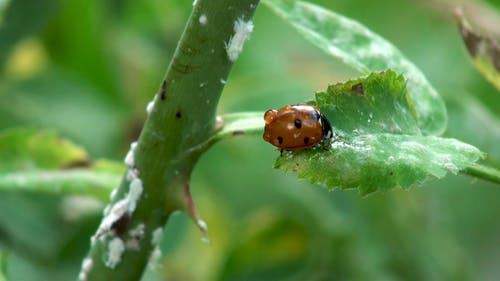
(270, 116)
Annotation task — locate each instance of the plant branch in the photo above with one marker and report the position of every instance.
(160, 164)
(231, 125)
(483, 172)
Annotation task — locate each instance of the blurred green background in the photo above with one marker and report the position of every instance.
(87, 68)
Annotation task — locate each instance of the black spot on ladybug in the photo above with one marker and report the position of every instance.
(121, 224)
(280, 140)
(358, 89)
(306, 140)
(163, 90)
(178, 114)
(298, 123)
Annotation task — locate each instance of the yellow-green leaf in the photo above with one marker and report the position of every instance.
(29, 149)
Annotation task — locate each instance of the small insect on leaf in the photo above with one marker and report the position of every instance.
(295, 127)
(377, 143)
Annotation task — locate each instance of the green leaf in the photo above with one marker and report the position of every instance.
(32, 161)
(484, 51)
(65, 182)
(381, 161)
(377, 144)
(46, 104)
(361, 106)
(366, 51)
(25, 149)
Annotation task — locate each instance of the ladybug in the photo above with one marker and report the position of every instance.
(295, 127)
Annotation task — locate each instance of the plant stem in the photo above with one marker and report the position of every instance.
(182, 117)
(483, 172)
(234, 124)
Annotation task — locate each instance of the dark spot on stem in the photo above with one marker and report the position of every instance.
(121, 224)
(358, 89)
(391, 173)
(178, 114)
(203, 39)
(183, 68)
(163, 90)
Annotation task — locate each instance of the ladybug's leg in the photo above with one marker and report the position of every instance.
(326, 144)
(281, 152)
